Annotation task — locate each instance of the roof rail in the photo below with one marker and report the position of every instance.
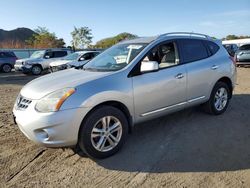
(190, 34)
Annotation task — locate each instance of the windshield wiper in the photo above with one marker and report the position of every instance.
(90, 69)
(97, 70)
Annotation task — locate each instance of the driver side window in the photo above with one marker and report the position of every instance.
(87, 56)
(49, 55)
(165, 54)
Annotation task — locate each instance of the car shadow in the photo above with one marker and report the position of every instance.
(189, 141)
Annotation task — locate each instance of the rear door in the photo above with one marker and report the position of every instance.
(195, 55)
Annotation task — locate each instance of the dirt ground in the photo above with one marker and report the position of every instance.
(185, 149)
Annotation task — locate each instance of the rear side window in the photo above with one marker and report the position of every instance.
(213, 48)
(60, 53)
(2, 55)
(245, 47)
(7, 54)
(193, 50)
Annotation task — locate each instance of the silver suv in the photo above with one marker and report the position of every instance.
(94, 108)
(40, 60)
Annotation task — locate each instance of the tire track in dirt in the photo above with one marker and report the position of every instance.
(17, 174)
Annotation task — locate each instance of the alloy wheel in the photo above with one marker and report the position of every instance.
(106, 133)
(221, 99)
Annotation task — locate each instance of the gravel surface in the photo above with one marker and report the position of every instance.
(186, 149)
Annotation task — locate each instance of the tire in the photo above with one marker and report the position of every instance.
(36, 70)
(217, 104)
(6, 68)
(95, 142)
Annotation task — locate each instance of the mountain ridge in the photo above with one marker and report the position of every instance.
(20, 34)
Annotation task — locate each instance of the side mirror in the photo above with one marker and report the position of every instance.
(47, 57)
(81, 59)
(149, 66)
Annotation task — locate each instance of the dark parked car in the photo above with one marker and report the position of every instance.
(7, 61)
(242, 56)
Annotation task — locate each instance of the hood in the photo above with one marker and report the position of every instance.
(59, 62)
(44, 85)
(29, 60)
(78, 63)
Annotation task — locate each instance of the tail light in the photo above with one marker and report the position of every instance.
(233, 59)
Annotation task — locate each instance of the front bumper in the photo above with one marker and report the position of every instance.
(243, 62)
(23, 68)
(54, 129)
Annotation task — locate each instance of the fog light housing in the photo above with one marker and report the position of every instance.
(42, 134)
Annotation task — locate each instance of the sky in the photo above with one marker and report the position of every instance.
(107, 18)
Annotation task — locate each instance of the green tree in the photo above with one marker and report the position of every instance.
(105, 43)
(44, 39)
(233, 37)
(81, 37)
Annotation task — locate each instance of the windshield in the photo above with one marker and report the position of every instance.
(115, 58)
(38, 54)
(73, 56)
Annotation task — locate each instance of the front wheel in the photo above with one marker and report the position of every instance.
(103, 132)
(36, 70)
(219, 99)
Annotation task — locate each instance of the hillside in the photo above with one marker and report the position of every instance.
(19, 34)
(107, 42)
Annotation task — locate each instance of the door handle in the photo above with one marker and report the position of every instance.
(179, 76)
(214, 67)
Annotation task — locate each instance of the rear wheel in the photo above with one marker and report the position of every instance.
(103, 133)
(219, 99)
(36, 70)
(6, 68)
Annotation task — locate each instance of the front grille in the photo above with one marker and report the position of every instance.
(22, 103)
(19, 63)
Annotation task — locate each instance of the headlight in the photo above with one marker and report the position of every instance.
(53, 101)
(26, 63)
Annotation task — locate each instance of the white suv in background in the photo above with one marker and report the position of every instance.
(40, 60)
(74, 60)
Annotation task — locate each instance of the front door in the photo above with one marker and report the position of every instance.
(157, 93)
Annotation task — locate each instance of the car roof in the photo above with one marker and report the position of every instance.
(56, 49)
(179, 35)
(84, 52)
(141, 40)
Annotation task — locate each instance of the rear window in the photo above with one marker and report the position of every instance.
(245, 47)
(213, 48)
(193, 50)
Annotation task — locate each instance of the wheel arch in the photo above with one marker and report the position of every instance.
(117, 104)
(37, 64)
(227, 81)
